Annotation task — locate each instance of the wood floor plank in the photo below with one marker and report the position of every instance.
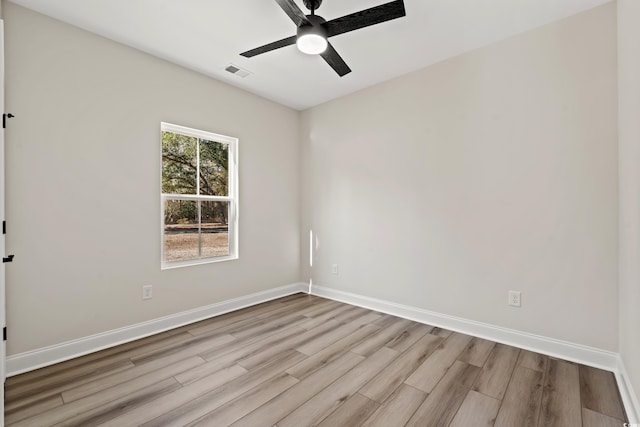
(320, 308)
(237, 327)
(220, 385)
(257, 325)
(192, 347)
(531, 360)
(477, 410)
(383, 384)
(210, 325)
(328, 316)
(38, 389)
(330, 353)
(409, 336)
(521, 403)
(599, 392)
(477, 352)
(561, 395)
(127, 351)
(200, 405)
(135, 372)
(595, 419)
(248, 345)
(444, 333)
(388, 332)
(262, 355)
(98, 415)
(429, 373)
(367, 319)
(214, 325)
(276, 409)
(352, 413)
(224, 357)
(398, 408)
(108, 356)
(235, 409)
(37, 407)
(387, 320)
(351, 314)
(298, 306)
(59, 378)
(263, 326)
(497, 370)
(97, 400)
(441, 405)
(321, 341)
(293, 297)
(314, 410)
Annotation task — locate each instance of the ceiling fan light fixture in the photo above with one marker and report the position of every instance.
(312, 44)
(312, 40)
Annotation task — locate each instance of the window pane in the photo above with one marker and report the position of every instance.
(215, 229)
(179, 163)
(181, 234)
(214, 168)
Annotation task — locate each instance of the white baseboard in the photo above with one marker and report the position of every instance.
(629, 397)
(552, 347)
(28, 361)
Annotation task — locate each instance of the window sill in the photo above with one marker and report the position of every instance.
(188, 263)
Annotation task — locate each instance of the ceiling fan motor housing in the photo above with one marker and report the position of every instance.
(315, 22)
(312, 36)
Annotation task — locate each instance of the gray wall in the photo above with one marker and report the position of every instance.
(83, 184)
(495, 170)
(629, 113)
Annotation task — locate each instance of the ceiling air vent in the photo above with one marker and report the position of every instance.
(234, 69)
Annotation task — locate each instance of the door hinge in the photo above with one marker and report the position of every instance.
(4, 227)
(4, 333)
(8, 258)
(6, 116)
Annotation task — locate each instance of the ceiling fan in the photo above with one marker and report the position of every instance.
(314, 30)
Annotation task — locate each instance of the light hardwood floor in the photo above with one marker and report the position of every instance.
(303, 360)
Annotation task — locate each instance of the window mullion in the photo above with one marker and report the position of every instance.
(199, 202)
(199, 229)
(198, 166)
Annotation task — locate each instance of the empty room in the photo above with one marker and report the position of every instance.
(290, 213)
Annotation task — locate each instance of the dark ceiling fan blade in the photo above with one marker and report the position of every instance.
(294, 12)
(365, 18)
(269, 47)
(335, 61)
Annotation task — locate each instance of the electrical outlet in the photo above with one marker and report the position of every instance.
(334, 268)
(147, 292)
(514, 298)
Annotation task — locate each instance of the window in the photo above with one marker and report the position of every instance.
(199, 196)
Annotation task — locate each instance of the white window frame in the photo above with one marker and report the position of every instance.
(232, 198)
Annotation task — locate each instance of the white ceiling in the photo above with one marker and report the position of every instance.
(207, 35)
